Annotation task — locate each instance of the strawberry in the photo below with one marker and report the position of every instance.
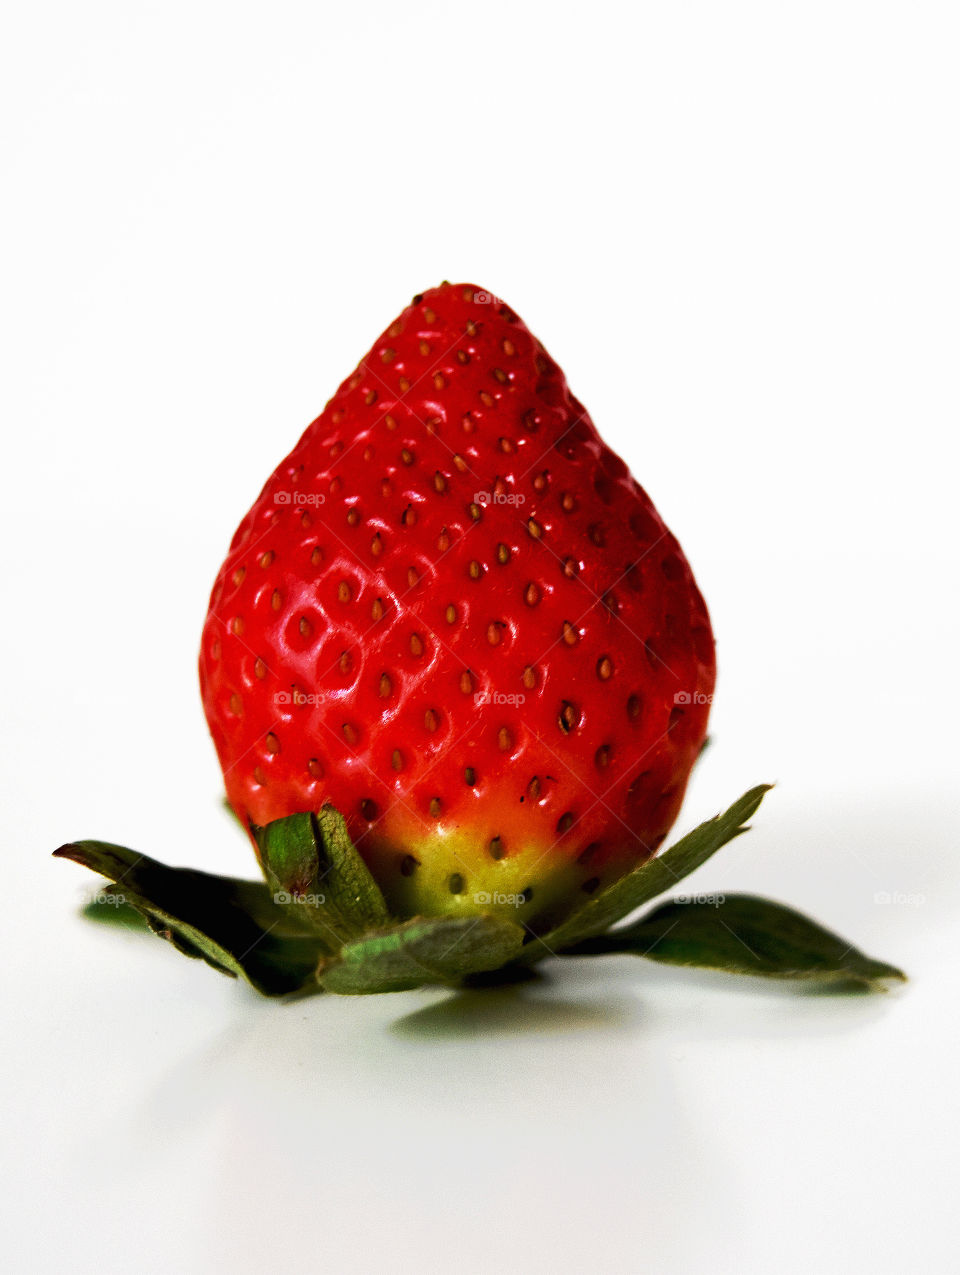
(453, 614)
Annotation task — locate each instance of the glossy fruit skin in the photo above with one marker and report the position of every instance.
(452, 527)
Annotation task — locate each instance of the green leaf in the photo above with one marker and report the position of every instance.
(651, 878)
(742, 934)
(231, 924)
(315, 871)
(425, 950)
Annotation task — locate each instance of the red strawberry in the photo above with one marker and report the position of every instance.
(453, 614)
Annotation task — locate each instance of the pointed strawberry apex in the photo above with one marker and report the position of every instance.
(319, 921)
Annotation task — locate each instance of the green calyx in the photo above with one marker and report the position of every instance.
(320, 922)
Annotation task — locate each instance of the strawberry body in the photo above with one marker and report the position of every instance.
(453, 614)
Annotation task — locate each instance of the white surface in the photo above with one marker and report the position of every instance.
(735, 226)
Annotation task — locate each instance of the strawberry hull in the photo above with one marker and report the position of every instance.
(453, 614)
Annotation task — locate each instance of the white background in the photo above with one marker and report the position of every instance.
(736, 227)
